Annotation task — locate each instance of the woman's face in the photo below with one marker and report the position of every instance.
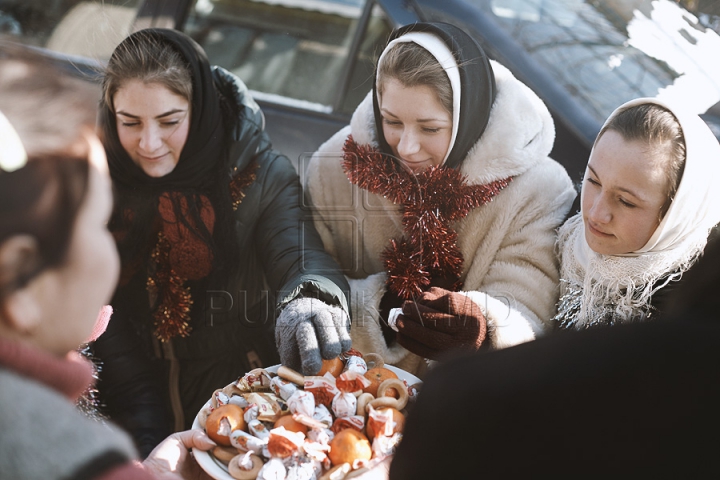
(415, 124)
(72, 294)
(152, 124)
(623, 193)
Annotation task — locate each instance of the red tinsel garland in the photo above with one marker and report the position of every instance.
(166, 286)
(430, 200)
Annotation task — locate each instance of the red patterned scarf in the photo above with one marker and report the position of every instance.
(431, 200)
(181, 255)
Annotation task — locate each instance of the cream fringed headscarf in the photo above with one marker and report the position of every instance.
(608, 289)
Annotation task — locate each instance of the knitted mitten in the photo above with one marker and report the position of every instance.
(309, 330)
(439, 321)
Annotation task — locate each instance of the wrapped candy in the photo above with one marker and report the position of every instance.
(239, 400)
(246, 442)
(352, 421)
(256, 380)
(303, 468)
(270, 407)
(322, 415)
(283, 388)
(302, 402)
(355, 364)
(384, 446)
(274, 469)
(351, 382)
(219, 398)
(381, 421)
(257, 428)
(284, 443)
(251, 412)
(322, 388)
(322, 437)
(344, 404)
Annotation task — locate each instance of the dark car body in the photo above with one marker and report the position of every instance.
(310, 62)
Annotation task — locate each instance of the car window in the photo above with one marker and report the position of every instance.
(286, 51)
(605, 52)
(361, 77)
(74, 27)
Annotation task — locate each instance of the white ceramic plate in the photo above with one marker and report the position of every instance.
(218, 471)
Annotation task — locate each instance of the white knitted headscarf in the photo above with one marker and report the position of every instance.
(607, 289)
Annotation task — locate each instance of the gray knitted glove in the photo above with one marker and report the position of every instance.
(309, 330)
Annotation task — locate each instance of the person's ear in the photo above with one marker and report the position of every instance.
(20, 307)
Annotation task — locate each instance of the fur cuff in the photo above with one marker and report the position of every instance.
(506, 326)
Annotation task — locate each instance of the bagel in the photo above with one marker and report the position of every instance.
(238, 472)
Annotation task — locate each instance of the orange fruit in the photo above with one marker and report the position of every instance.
(398, 418)
(378, 375)
(291, 424)
(222, 421)
(349, 445)
(334, 366)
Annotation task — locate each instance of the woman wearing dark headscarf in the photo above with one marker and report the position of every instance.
(453, 199)
(210, 230)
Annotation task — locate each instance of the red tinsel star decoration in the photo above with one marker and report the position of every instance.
(430, 200)
(172, 315)
(240, 181)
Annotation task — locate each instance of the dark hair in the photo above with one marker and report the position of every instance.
(658, 128)
(413, 66)
(49, 110)
(148, 59)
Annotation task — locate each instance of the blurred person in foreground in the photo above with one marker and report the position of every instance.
(58, 267)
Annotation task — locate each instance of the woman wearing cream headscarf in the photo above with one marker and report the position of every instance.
(648, 205)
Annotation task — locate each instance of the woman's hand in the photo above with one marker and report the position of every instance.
(441, 320)
(172, 458)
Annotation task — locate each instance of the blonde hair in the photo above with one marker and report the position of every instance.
(413, 66)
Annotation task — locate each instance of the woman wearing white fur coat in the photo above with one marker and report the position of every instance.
(440, 198)
(648, 204)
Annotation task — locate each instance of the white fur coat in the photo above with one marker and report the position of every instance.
(510, 268)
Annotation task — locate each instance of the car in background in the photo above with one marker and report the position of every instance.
(310, 62)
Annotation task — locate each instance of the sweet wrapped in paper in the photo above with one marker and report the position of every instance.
(322, 437)
(284, 443)
(381, 421)
(356, 422)
(302, 402)
(274, 469)
(282, 388)
(270, 407)
(219, 398)
(303, 468)
(355, 364)
(351, 382)
(258, 428)
(246, 442)
(344, 404)
(240, 401)
(384, 446)
(251, 412)
(323, 415)
(323, 389)
(257, 380)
